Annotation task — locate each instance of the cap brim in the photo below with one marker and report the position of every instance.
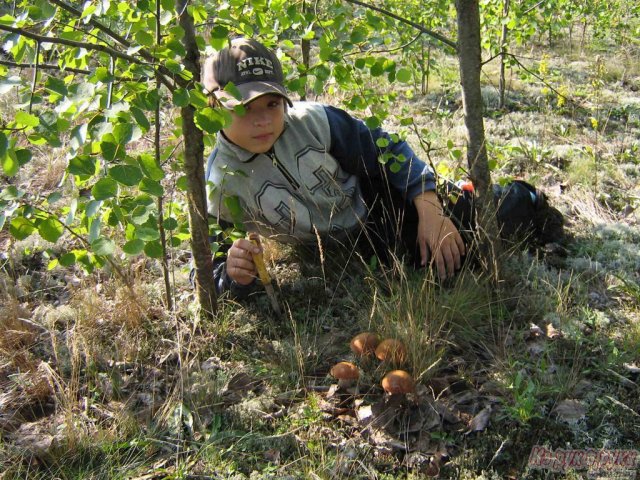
(250, 91)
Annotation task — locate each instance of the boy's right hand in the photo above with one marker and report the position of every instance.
(240, 266)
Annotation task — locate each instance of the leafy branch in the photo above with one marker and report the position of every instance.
(100, 48)
(415, 25)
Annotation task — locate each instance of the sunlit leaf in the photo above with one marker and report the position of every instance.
(150, 167)
(151, 187)
(153, 249)
(20, 228)
(133, 247)
(128, 175)
(105, 188)
(103, 246)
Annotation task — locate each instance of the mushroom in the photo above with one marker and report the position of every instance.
(346, 373)
(364, 344)
(398, 382)
(392, 351)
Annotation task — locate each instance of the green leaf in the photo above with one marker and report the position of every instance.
(55, 85)
(123, 132)
(23, 156)
(382, 142)
(4, 145)
(404, 75)
(147, 234)
(141, 118)
(153, 249)
(20, 228)
(181, 97)
(128, 175)
(151, 187)
(170, 223)
(140, 215)
(233, 205)
(103, 246)
(144, 38)
(150, 167)
(10, 164)
(133, 247)
(111, 151)
(24, 119)
(83, 165)
(182, 183)
(372, 122)
(105, 188)
(68, 259)
(208, 120)
(50, 229)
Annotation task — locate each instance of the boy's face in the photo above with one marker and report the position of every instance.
(259, 128)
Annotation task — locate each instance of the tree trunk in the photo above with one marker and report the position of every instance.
(470, 58)
(194, 171)
(503, 52)
(305, 47)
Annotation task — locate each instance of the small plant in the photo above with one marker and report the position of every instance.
(525, 405)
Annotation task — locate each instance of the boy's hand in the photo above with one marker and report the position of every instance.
(240, 266)
(437, 234)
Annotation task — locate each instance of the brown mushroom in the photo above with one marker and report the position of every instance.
(398, 382)
(346, 373)
(392, 351)
(364, 344)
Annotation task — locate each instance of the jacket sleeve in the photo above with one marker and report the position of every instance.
(355, 146)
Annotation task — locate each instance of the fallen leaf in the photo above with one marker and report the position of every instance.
(535, 331)
(272, 455)
(570, 411)
(480, 421)
(552, 332)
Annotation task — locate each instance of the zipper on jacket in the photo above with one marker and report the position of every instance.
(272, 155)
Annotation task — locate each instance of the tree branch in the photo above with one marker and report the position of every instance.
(104, 29)
(431, 33)
(100, 48)
(79, 71)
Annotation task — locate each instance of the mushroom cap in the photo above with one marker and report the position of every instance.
(364, 344)
(398, 382)
(345, 371)
(391, 350)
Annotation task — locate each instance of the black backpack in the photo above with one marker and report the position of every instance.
(523, 212)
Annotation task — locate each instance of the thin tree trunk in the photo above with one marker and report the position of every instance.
(470, 58)
(194, 171)
(163, 237)
(503, 52)
(305, 47)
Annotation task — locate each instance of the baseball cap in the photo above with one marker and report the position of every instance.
(250, 66)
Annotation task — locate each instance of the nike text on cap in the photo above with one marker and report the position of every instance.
(250, 66)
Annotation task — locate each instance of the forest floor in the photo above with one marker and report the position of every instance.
(533, 376)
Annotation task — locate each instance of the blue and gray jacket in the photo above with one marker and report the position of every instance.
(310, 183)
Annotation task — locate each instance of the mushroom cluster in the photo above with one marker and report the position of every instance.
(365, 345)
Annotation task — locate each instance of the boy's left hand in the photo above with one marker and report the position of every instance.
(437, 234)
